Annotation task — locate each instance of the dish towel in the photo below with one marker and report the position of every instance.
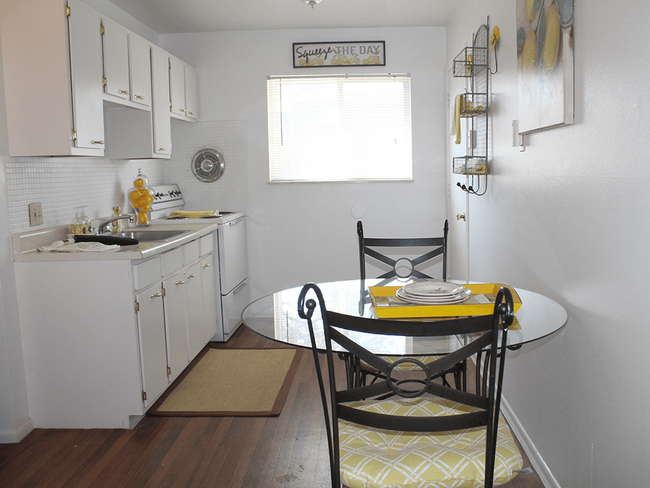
(67, 246)
(196, 214)
(458, 107)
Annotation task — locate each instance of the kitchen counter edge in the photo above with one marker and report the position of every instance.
(25, 244)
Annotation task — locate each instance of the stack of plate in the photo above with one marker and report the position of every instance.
(433, 293)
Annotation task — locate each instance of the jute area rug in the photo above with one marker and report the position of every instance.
(231, 383)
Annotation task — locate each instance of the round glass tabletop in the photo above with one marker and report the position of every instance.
(275, 316)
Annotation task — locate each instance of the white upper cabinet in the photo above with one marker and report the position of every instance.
(127, 66)
(68, 71)
(140, 70)
(183, 90)
(162, 137)
(52, 60)
(191, 95)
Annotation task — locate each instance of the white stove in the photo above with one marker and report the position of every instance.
(169, 198)
(232, 255)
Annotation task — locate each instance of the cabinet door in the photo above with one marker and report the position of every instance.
(177, 86)
(86, 67)
(153, 351)
(176, 323)
(140, 64)
(116, 59)
(210, 296)
(196, 318)
(191, 94)
(162, 133)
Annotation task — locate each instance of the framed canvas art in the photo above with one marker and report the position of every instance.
(545, 63)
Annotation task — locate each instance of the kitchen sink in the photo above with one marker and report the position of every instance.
(150, 235)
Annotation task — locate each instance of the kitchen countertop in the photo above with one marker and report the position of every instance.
(25, 244)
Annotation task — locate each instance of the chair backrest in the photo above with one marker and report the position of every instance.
(336, 328)
(391, 246)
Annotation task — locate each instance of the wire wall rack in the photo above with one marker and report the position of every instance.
(473, 64)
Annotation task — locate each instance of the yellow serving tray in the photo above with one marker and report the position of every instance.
(388, 306)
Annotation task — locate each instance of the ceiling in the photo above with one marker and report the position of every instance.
(174, 16)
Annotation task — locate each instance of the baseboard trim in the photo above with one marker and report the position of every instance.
(13, 437)
(536, 460)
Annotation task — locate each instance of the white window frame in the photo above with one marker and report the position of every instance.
(340, 128)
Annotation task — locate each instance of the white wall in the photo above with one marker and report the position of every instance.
(566, 218)
(306, 232)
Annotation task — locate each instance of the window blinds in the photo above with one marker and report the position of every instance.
(339, 127)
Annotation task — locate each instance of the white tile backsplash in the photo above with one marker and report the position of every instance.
(62, 184)
(229, 137)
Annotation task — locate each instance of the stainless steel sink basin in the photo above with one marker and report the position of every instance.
(150, 235)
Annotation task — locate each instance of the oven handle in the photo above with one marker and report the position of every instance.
(239, 287)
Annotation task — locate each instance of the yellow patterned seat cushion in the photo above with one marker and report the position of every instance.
(373, 458)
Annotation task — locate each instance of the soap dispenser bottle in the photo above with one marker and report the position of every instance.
(77, 225)
(87, 223)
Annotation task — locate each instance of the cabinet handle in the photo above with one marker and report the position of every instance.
(161, 149)
(96, 142)
(158, 294)
(123, 92)
(191, 276)
(206, 265)
(138, 97)
(190, 113)
(180, 282)
(181, 110)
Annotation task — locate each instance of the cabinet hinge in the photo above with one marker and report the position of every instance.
(169, 371)
(104, 81)
(101, 29)
(67, 10)
(74, 135)
(171, 104)
(137, 306)
(144, 396)
(164, 292)
(170, 64)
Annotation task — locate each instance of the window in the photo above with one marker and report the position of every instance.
(339, 128)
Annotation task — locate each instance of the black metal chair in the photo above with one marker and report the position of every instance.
(424, 435)
(403, 267)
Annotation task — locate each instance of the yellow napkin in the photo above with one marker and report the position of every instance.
(193, 214)
(458, 106)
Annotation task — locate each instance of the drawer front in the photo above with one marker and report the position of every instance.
(172, 261)
(147, 273)
(206, 244)
(232, 306)
(190, 252)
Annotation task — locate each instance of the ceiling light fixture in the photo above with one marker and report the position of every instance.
(312, 3)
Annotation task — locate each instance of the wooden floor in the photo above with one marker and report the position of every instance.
(285, 451)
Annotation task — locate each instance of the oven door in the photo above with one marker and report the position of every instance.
(233, 256)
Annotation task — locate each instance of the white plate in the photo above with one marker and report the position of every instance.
(448, 300)
(433, 289)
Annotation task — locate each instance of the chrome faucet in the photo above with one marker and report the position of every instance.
(101, 228)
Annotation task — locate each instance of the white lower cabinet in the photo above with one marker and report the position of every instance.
(153, 356)
(195, 312)
(101, 348)
(176, 323)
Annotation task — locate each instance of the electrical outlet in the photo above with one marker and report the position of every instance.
(35, 214)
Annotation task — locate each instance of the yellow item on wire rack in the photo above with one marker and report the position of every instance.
(458, 107)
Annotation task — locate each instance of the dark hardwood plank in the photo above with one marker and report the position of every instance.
(166, 452)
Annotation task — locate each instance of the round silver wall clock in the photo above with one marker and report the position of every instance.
(208, 165)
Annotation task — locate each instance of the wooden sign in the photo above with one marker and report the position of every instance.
(328, 54)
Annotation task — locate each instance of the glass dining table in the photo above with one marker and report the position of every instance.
(275, 316)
